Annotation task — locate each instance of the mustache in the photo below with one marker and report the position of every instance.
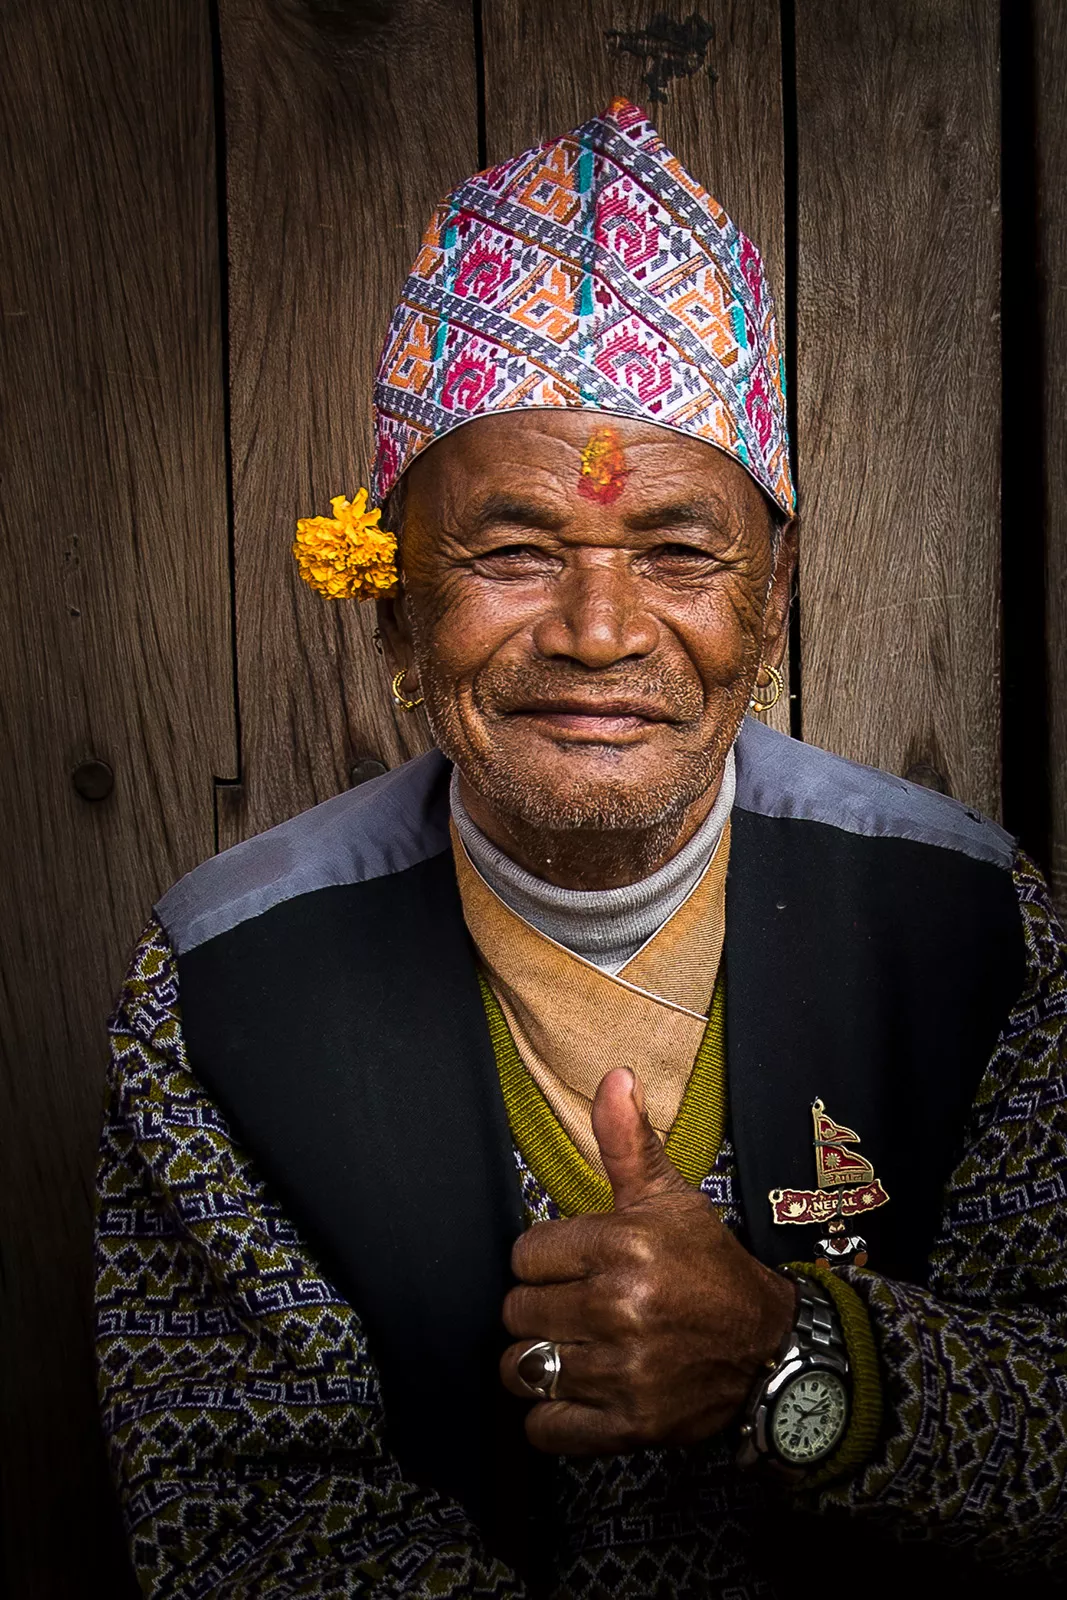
(660, 692)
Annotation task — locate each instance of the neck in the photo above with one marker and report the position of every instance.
(604, 926)
(589, 858)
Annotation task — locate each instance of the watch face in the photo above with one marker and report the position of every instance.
(809, 1417)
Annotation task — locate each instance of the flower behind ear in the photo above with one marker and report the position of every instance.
(347, 556)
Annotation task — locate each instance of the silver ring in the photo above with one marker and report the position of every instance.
(548, 1365)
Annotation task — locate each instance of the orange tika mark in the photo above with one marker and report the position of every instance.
(603, 472)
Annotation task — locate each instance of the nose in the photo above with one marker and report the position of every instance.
(596, 618)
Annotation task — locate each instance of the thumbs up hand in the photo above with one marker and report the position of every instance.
(662, 1319)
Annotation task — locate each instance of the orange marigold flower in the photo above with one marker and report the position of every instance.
(347, 555)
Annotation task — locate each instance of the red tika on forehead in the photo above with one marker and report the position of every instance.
(591, 273)
(602, 473)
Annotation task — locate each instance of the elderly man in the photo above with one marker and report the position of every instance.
(623, 1151)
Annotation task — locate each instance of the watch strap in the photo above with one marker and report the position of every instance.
(817, 1325)
(865, 1419)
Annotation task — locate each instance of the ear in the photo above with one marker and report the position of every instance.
(776, 611)
(395, 629)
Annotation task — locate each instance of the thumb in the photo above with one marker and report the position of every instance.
(636, 1163)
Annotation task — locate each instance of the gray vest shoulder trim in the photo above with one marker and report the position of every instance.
(381, 827)
(780, 777)
(400, 819)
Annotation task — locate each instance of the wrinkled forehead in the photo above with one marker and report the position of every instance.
(589, 456)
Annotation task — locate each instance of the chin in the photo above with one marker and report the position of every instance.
(593, 794)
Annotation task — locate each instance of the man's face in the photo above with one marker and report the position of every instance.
(586, 602)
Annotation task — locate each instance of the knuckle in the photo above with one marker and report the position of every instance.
(646, 1421)
(633, 1245)
(600, 1308)
(629, 1313)
(633, 1305)
(524, 1250)
(512, 1311)
(643, 1401)
(542, 1429)
(518, 1255)
(641, 1376)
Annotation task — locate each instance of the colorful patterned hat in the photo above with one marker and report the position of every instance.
(593, 273)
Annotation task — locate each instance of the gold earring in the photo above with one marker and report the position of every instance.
(774, 681)
(400, 697)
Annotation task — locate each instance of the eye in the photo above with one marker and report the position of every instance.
(683, 550)
(514, 560)
(679, 559)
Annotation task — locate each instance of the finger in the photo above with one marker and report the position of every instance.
(548, 1311)
(559, 1252)
(589, 1373)
(561, 1428)
(636, 1163)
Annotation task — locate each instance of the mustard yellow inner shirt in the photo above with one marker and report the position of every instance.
(572, 1022)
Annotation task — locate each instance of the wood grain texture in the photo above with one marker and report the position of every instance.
(899, 385)
(344, 127)
(1051, 65)
(115, 644)
(550, 66)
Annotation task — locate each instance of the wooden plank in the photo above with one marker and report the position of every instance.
(899, 385)
(550, 66)
(1051, 63)
(114, 572)
(344, 128)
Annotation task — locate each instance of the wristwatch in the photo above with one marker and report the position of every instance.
(798, 1412)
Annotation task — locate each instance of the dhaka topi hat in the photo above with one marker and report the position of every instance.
(590, 273)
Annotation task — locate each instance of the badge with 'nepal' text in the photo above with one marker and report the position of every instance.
(847, 1187)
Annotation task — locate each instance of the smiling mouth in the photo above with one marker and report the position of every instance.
(606, 722)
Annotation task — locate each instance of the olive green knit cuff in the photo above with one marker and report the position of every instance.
(866, 1420)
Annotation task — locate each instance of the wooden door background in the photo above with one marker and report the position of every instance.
(210, 207)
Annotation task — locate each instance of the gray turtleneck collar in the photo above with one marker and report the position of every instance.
(605, 926)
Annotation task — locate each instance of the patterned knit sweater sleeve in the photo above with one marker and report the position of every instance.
(242, 1410)
(974, 1450)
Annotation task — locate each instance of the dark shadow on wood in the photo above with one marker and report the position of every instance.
(1023, 510)
(224, 313)
(789, 313)
(479, 80)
